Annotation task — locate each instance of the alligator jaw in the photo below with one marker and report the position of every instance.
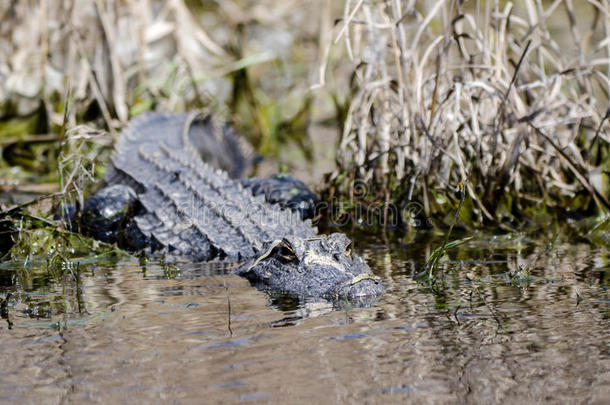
(316, 267)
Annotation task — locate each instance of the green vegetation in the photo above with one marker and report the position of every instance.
(440, 252)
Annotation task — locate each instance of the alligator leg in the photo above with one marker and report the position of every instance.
(286, 191)
(107, 213)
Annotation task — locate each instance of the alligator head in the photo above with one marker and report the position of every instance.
(322, 266)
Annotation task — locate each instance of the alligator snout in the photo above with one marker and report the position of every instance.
(360, 291)
(321, 267)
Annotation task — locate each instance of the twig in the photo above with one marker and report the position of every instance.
(599, 199)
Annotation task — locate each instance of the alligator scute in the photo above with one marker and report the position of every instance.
(162, 198)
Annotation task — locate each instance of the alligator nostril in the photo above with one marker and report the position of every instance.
(337, 256)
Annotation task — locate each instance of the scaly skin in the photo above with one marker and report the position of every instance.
(163, 197)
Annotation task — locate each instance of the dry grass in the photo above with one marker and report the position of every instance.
(100, 62)
(73, 72)
(510, 101)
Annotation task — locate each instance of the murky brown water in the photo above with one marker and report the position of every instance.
(126, 333)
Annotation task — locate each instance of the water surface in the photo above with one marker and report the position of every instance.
(510, 320)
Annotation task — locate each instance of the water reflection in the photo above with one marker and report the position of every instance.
(121, 330)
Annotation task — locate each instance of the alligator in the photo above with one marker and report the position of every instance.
(162, 198)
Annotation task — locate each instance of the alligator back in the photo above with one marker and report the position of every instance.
(195, 210)
(214, 140)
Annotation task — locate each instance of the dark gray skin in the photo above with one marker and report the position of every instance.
(162, 199)
(286, 191)
(325, 265)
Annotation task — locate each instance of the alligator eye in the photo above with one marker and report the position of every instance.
(348, 249)
(284, 252)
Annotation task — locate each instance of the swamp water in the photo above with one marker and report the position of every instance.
(518, 321)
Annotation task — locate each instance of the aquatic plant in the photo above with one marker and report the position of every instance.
(440, 252)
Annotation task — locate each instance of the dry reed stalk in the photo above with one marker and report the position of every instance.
(492, 97)
(126, 56)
